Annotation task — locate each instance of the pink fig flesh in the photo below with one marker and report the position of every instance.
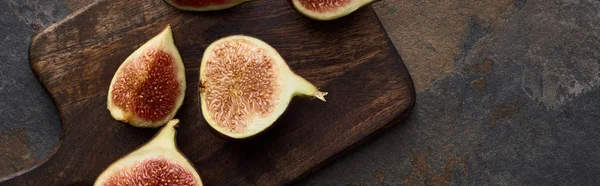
(150, 172)
(328, 9)
(148, 86)
(323, 5)
(158, 162)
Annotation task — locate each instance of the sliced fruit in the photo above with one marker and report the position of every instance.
(328, 9)
(245, 85)
(158, 162)
(204, 5)
(149, 86)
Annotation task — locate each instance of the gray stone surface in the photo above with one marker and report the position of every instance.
(519, 107)
(30, 126)
(508, 94)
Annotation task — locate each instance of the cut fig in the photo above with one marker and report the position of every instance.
(245, 85)
(204, 5)
(328, 9)
(149, 86)
(158, 162)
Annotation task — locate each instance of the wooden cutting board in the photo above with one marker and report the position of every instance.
(351, 58)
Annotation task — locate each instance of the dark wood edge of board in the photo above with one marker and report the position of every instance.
(397, 120)
(400, 118)
(34, 40)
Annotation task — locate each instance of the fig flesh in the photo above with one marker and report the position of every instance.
(149, 86)
(158, 162)
(204, 5)
(245, 85)
(328, 9)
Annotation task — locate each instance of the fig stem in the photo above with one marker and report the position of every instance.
(303, 87)
(166, 135)
(321, 96)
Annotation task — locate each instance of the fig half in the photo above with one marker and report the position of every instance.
(149, 86)
(328, 9)
(204, 5)
(158, 162)
(245, 85)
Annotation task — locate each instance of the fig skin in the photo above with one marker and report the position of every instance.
(288, 83)
(164, 44)
(162, 147)
(244, 139)
(328, 16)
(213, 7)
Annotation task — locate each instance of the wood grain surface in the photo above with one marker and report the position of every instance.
(351, 58)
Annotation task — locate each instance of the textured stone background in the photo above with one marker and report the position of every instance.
(508, 94)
